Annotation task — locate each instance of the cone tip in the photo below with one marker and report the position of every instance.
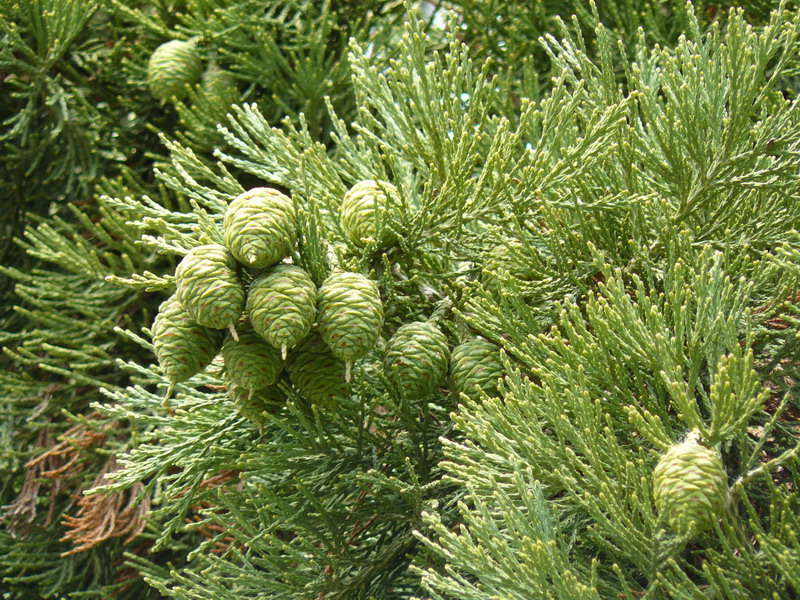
(168, 395)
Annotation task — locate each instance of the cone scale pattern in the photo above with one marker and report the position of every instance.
(364, 206)
(316, 373)
(209, 288)
(689, 485)
(183, 348)
(250, 362)
(416, 358)
(282, 306)
(349, 314)
(260, 227)
(474, 366)
(173, 66)
(253, 404)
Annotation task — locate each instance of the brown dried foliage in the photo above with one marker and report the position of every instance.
(206, 528)
(59, 464)
(60, 467)
(104, 516)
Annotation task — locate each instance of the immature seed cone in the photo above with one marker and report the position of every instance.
(689, 485)
(208, 287)
(260, 227)
(183, 347)
(364, 205)
(172, 67)
(505, 259)
(251, 362)
(416, 358)
(253, 404)
(317, 374)
(219, 87)
(349, 315)
(474, 366)
(282, 306)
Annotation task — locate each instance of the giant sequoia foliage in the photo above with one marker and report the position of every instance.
(590, 211)
(78, 123)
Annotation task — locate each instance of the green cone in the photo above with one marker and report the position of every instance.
(260, 227)
(253, 404)
(219, 87)
(251, 362)
(349, 314)
(689, 485)
(505, 259)
(282, 306)
(416, 358)
(364, 205)
(172, 67)
(474, 366)
(183, 347)
(209, 288)
(316, 373)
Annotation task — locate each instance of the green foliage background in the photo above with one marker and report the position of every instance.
(625, 170)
